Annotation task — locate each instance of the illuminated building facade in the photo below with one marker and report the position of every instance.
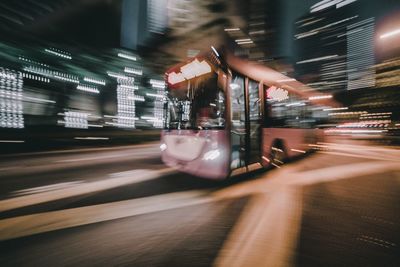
(11, 97)
(335, 46)
(347, 48)
(141, 21)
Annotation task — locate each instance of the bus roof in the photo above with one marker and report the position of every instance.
(271, 77)
(264, 74)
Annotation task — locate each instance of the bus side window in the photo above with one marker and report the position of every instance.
(266, 108)
(238, 120)
(267, 113)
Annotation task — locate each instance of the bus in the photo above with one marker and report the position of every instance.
(225, 116)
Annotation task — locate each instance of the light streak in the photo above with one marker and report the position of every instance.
(390, 34)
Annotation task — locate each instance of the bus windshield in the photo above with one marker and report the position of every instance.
(196, 104)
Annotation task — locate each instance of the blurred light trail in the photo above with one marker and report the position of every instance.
(154, 95)
(40, 189)
(320, 97)
(347, 113)
(44, 222)
(232, 29)
(333, 109)
(215, 51)
(127, 56)
(286, 80)
(86, 88)
(274, 182)
(132, 177)
(92, 138)
(133, 87)
(104, 157)
(35, 99)
(12, 141)
(133, 71)
(256, 240)
(390, 34)
(297, 150)
(58, 53)
(354, 131)
(243, 40)
(100, 82)
(316, 59)
(119, 76)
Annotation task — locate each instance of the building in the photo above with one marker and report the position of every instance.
(334, 45)
(141, 21)
(337, 44)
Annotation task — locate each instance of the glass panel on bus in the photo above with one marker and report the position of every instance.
(285, 110)
(196, 104)
(238, 123)
(255, 122)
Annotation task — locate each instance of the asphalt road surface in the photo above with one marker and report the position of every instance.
(122, 207)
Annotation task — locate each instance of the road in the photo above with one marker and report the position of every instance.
(122, 207)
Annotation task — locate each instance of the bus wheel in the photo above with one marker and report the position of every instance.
(278, 155)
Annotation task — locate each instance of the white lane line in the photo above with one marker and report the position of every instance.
(45, 188)
(274, 182)
(55, 220)
(266, 233)
(81, 189)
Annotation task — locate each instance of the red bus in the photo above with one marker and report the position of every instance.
(225, 116)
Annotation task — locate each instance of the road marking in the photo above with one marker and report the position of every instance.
(81, 189)
(56, 220)
(274, 224)
(266, 233)
(45, 188)
(274, 182)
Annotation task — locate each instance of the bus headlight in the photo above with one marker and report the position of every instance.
(163, 147)
(212, 154)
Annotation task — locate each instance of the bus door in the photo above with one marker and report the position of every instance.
(238, 121)
(253, 130)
